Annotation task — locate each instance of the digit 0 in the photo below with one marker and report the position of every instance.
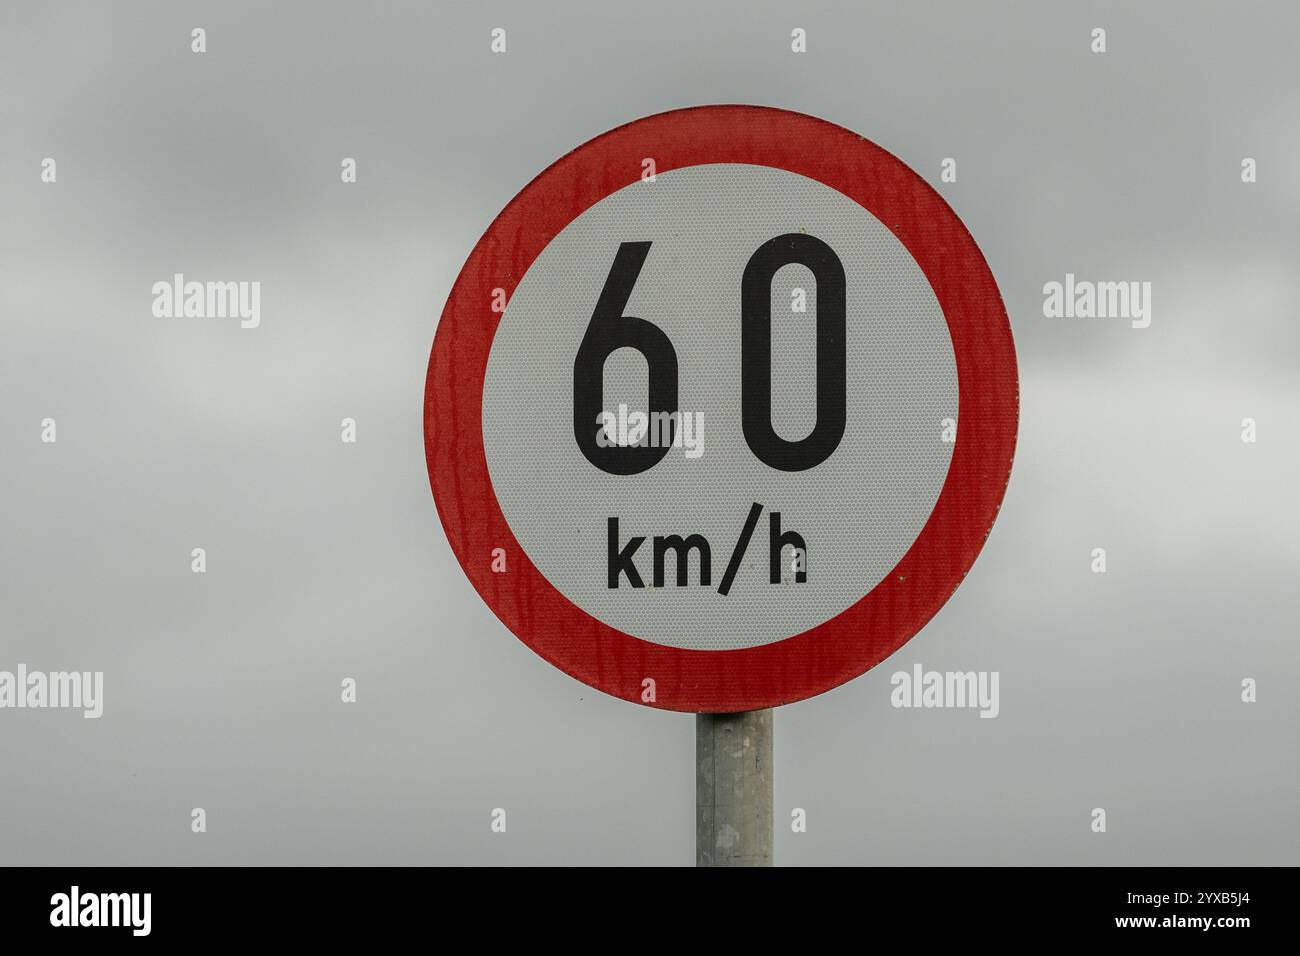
(756, 352)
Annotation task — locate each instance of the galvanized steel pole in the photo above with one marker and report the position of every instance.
(733, 789)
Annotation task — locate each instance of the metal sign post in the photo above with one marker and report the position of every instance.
(733, 789)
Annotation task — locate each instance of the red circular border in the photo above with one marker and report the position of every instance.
(900, 605)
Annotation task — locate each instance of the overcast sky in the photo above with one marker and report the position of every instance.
(327, 560)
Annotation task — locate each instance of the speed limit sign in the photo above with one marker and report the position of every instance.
(721, 409)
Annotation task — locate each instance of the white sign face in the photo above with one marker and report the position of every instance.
(814, 382)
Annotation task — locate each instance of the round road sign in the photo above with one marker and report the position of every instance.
(721, 409)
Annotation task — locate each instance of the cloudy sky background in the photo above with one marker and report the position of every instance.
(327, 560)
